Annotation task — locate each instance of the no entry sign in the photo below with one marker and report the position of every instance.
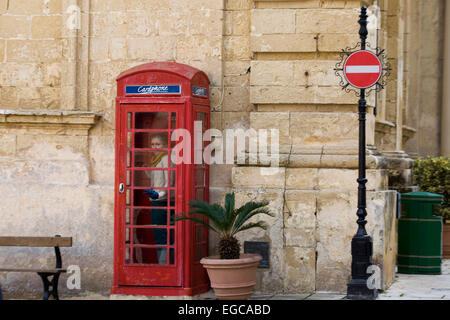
(363, 69)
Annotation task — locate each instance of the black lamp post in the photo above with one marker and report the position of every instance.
(362, 246)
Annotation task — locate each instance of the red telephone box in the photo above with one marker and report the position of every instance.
(154, 255)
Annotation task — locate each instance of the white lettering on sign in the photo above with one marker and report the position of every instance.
(363, 69)
(151, 89)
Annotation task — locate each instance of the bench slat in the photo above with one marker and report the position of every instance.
(35, 242)
(31, 270)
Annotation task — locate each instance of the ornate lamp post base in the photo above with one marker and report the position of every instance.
(357, 288)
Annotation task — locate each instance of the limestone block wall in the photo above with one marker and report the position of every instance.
(409, 109)
(31, 51)
(45, 190)
(295, 46)
(314, 223)
(270, 65)
(124, 34)
(57, 174)
(424, 73)
(407, 125)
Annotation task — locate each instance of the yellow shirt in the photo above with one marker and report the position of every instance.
(160, 178)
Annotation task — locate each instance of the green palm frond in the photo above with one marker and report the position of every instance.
(229, 211)
(226, 220)
(251, 225)
(249, 210)
(213, 212)
(200, 221)
(240, 222)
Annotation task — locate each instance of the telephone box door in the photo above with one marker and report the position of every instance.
(150, 245)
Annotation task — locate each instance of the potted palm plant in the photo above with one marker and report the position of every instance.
(232, 273)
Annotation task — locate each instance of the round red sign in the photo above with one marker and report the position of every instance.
(362, 69)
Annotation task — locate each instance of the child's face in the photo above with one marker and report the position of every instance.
(157, 143)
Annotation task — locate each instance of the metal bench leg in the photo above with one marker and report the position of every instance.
(50, 286)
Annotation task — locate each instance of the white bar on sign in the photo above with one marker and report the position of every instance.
(363, 69)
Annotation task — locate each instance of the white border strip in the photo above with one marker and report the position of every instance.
(362, 69)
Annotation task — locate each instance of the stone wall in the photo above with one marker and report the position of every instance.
(31, 51)
(424, 39)
(294, 89)
(57, 167)
(57, 156)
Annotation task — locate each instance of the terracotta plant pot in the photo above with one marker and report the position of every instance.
(446, 240)
(232, 279)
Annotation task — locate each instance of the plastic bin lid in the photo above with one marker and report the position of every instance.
(422, 195)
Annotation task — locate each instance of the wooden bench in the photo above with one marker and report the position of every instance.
(50, 285)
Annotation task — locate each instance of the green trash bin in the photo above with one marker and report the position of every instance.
(419, 234)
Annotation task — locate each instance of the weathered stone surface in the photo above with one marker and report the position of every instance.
(290, 4)
(53, 6)
(49, 147)
(302, 179)
(2, 50)
(300, 219)
(237, 99)
(236, 48)
(21, 74)
(283, 43)
(237, 23)
(15, 26)
(92, 233)
(206, 22)
(315, 73)
(46, 27)
(24, 7)
(101, 162)
(270, 120)
(299, 95)
(336, 227)
(61, 169)
(273, 21)
(338, 21)
(334, 42)
(272, 280)
(111, 5)
(323, 129)
(238, 4)
(338, 179)
(248, 177)
(300, 270)
(274, 233)
(42, 172)
(276, 73)
(7, 145)
(34, 50)
(300, 209)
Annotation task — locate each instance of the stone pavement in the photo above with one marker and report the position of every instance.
(405, 287)
(420, 287)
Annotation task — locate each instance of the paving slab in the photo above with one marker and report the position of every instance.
(420, 287)
(291, 296)
(326, 296)
(405, 287)
(261, 296)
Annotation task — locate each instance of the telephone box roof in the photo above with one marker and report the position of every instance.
(179, 69)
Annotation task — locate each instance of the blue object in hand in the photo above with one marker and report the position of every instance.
(152, 194)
